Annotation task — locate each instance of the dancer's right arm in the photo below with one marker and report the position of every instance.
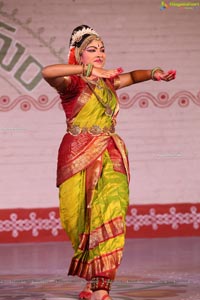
(56, 75)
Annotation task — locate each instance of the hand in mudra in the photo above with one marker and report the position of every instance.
(166, 76)
(103, 73)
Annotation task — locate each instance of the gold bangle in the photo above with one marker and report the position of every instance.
(153, 72)
(84, 69)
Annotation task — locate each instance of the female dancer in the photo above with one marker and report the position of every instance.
(93, 170)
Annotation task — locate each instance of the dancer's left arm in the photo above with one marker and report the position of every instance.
(137, 76)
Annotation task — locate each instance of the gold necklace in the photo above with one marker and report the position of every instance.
(108, 110)
(94, 82)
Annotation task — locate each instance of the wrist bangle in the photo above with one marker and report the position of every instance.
(153, 71)
(89, 70)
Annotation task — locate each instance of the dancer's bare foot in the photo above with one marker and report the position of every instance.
(100, 295)
(86, 293)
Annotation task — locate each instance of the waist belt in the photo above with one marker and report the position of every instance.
(94, 130)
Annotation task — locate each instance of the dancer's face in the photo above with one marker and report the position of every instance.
(94, 54)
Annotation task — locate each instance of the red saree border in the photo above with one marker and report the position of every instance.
(108, 230)
(19, 225)
(88, 154)
(106, 263)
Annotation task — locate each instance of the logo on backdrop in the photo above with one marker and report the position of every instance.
(185, 5)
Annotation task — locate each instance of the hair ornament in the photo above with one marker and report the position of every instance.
(77, 36)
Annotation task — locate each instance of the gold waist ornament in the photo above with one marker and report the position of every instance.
(94, 130)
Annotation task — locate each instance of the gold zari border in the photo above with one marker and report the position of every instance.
(104, 264)
(103, 233)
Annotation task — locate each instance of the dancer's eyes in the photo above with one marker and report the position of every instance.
(90, 50)
(94, 49)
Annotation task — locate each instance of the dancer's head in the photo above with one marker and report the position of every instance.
(86, 46)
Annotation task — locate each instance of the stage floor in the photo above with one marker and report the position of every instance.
(167, 269)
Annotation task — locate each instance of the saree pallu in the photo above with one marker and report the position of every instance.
(93, 175)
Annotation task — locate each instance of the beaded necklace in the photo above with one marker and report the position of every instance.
(108, 110)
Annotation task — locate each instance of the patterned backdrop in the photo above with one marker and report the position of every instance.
(158, 121)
